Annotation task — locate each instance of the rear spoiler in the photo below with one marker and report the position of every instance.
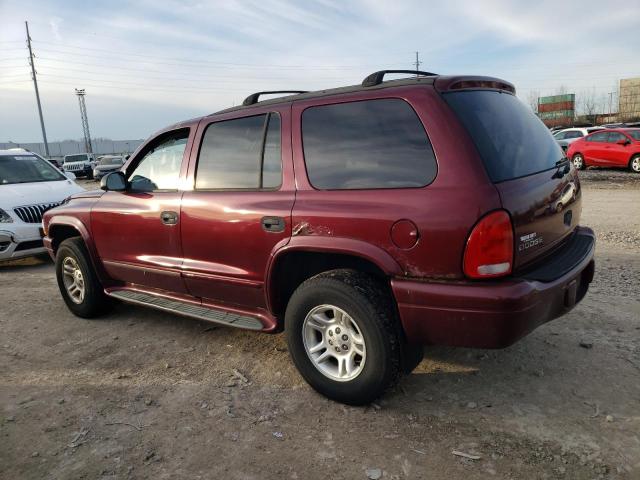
(469, 82)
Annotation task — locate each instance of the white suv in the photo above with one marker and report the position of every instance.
(80, 164)
(29, 186)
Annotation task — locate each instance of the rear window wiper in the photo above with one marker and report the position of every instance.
(561, 172)
(562, 161)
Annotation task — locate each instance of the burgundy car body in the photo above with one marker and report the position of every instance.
(219, 256)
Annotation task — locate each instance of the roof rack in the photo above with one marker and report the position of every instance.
(376, 77)
(253, 98)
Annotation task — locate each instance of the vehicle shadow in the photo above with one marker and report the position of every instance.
(42, 260)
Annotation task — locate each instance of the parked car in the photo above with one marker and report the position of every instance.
(618, 148)
(107, 164)
(569, 135)
(29, 186)
(364, 221)
(80, 164)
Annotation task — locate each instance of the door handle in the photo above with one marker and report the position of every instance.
(273, 224)
(169, 218)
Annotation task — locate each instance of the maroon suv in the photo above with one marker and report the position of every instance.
(364, 221)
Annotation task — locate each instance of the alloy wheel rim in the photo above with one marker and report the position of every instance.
(577, 161)
(73, 280)
(334, 343)
(635, 165)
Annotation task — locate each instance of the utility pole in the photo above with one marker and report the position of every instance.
(85, 121)
(418, 62)
(610, 102)
(35, 84)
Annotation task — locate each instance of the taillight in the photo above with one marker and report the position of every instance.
(489, 250)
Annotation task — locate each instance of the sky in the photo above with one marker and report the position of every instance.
(146, 64)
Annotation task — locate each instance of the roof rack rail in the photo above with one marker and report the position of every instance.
(253, 98)
(376, 77)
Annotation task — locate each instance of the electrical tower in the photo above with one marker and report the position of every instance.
(35, 84)
(85, 121)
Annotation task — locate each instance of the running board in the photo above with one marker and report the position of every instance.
(187, 309)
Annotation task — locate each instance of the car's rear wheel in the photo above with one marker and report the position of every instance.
(578, 161)
(77, 281)
(634, 164)
(343, 336)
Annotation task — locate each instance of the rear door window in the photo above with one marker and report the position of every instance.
(615, 137)
(241, 154)
(510, 139)
(366, 145)
(598, 137)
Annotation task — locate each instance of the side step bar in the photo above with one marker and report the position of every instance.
(189, 310)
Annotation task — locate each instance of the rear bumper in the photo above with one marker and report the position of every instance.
(492, 314)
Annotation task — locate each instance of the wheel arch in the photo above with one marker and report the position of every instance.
(62, 228)
(305, 257)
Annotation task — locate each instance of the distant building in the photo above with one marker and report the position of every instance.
(629, 100)
(557, 110)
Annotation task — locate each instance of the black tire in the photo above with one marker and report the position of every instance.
(578, 161)
(371, 307)
(634, 164)
(90, 176)
(94, 302)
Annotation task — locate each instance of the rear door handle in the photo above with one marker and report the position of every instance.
(273, 224)
(169, 218)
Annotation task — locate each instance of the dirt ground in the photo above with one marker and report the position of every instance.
(143, 394)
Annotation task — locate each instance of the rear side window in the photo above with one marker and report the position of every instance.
(598, 137)
(574, 134)
(511, 140)
(241, 154)
(366, 145)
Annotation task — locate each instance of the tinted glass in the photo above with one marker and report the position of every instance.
(615, 137)
(111, 161)
(635, 134)
(159, 169)
(272, 163)
(231, 154)
(76, 158)
(26, 169)
(370, 144)
(560, 135)
(598, 137)
(575, 134)
(511, 140)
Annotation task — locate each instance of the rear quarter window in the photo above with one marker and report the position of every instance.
(370, 144)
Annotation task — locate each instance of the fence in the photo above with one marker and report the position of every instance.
(68, 147)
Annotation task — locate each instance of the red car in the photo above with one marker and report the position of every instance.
(364, 221)
(618, 147)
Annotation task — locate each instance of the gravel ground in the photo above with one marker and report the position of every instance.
(142, 394)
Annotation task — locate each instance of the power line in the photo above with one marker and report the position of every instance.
(35, 85)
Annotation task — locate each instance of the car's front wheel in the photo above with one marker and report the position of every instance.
(343, 336)
(578, 161)
(634, 164)
(78, 283)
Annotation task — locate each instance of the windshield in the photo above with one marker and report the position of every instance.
(75, 158)
(26, 169)
(635, 134)
(111, 161)
(511, 140)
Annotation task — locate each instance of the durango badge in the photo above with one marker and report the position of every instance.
(528, 241)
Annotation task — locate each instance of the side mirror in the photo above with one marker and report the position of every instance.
(114, 182)
(624, 142)
(70, 175)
